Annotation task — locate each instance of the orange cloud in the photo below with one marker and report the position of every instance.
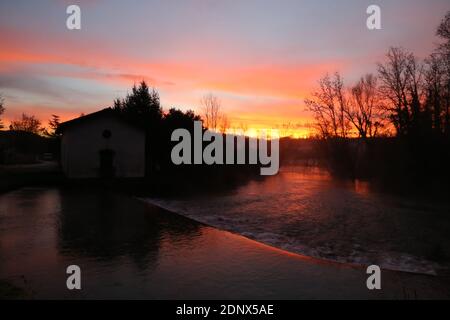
(258, 94)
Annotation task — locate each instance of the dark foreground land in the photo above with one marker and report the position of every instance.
(44, 173)
(128, 249)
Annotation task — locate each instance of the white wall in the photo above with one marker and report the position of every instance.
(81, 143)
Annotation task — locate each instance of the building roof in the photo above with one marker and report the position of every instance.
(98, 114)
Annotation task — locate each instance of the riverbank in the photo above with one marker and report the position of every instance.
(45, 173)
(127, 249)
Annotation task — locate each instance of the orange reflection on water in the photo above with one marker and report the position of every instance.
(362, 187)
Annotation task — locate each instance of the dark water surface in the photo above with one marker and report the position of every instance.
(129, 249)
(303, 210)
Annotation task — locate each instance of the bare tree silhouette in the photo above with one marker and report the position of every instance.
(210, 105)
(364, 109)
(443, 54)
(401, 86)
(27, 124)
(2, 110)
(328, 105)
(224, 124)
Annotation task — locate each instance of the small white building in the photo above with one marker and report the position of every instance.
(102, 144)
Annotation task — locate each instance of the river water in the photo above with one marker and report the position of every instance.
(303, 210)
(129, 249)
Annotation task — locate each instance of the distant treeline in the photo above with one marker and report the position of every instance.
(393, 126)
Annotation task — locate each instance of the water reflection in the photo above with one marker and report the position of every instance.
(104, 225)
(42, 229)
(127, 249)
(362, 187)
(304, 210)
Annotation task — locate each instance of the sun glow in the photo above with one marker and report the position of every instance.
(274, 132)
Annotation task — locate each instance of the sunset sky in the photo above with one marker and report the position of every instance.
(260, 57)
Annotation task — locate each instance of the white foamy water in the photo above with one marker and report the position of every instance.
(302, 210)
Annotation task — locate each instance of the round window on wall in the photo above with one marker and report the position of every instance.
(106, 134)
